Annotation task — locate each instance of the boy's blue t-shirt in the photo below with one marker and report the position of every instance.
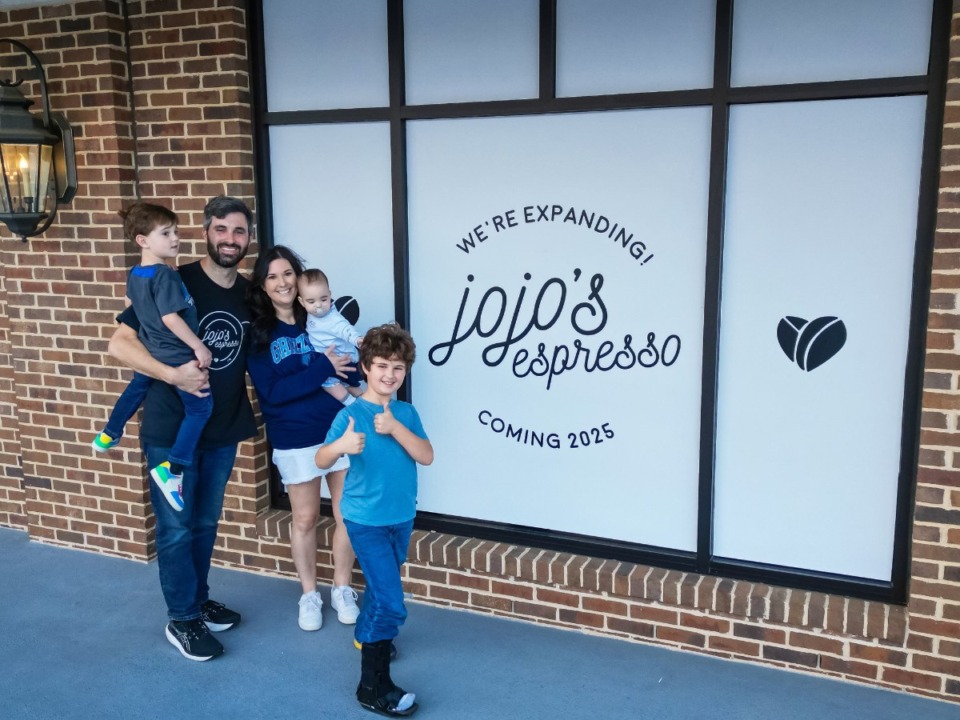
(381, 484)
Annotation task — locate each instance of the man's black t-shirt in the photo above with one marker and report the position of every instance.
(224, 329)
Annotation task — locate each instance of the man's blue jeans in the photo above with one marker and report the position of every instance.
(381, 552)
(127, 404)
(185, 539)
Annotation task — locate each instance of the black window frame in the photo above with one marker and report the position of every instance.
(720, 97)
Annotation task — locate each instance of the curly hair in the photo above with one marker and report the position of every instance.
(264, 320)
(142, 218)
(388, 341)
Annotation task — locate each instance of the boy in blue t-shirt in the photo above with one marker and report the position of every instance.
(385, 441)
(168, 329)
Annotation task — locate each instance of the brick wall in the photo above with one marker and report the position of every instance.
(158, 92)
(61, 290)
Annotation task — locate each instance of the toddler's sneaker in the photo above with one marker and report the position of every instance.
(311, 617)
(169, 484)
(343, 599)
(103, 442)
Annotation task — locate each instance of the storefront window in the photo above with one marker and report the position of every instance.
(660, 259)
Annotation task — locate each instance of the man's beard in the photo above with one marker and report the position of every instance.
(229, 261)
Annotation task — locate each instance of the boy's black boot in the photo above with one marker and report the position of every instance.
(376, 690)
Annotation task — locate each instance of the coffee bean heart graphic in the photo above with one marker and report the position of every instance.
(811, 344)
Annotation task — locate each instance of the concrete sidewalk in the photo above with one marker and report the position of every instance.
(82, 637)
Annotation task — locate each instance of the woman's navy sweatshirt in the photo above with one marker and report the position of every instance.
(288, 377)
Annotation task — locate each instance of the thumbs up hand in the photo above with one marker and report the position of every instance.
(384, 423)
(352, 441)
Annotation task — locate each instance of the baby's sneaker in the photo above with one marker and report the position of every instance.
(103, 442)
(169, 484)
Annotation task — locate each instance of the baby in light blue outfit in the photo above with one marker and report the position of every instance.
(327, 327)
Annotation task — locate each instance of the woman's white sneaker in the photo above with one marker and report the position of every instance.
(343, 599)
(311, 617)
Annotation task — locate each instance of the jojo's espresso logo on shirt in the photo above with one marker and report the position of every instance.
(222, 333)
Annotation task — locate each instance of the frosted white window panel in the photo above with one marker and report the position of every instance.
(821, 216)
(468, 51)
(607, 47)
(325, 54)
(785, 41)
(560, 189)
(332, 204)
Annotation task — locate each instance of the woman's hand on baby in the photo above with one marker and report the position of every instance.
(352, 442)
(341, 363)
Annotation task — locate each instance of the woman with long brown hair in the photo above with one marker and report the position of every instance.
(288, 376)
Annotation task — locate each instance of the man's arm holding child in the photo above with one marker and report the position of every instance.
(417, 447)
(126, 347)
(179, 327)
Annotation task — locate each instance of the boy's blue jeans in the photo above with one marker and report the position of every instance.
(381, 552)
(127, 404)
(185, 539)
(197, 411)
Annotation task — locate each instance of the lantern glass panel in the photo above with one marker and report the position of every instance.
(7, 191)
(47, 194)
(28, 164)
(20, 169)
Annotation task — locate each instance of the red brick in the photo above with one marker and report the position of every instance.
(450, 594)
(756, 632)
(631, 627)
(792, 657)
(556, 597)
(877, 654)
(733, 645)
(603, 605)
(684, 637)
(512, 589)
(821, 643)
(544, 612)
(898, 676)
(655, 614)
(849, 667)
(705, 623)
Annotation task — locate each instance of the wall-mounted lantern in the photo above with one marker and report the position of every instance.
(38, 168)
